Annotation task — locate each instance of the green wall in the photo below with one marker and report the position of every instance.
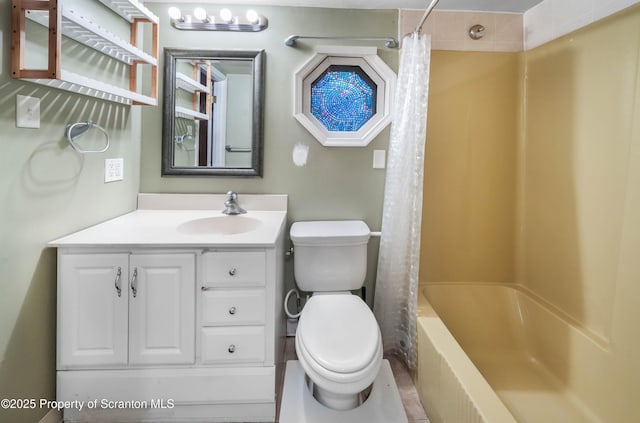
(47, 190)
(336, 183)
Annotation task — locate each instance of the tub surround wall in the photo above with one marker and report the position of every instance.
(579, 206)
(552, 19)
(569, 205)
(48, 190)
(470, 168)
(509, 32)
(578, 134)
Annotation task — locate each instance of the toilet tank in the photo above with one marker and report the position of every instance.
(330, 255)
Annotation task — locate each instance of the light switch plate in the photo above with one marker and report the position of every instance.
(379, 159)
(27, 111)
(113, 170)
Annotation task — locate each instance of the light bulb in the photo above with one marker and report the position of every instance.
(252, 16)
(174, 13)
(200, 14)
(226, 15)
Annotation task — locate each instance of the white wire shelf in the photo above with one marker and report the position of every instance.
(130, 10)
(183, 112)
(92, 35)
(79, 84)
(189, 84)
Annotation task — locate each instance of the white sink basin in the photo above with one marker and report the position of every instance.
(220, 225)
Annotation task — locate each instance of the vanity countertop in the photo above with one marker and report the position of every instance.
(163, 226)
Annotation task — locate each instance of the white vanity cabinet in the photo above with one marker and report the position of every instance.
(121, 309)
(173, 325)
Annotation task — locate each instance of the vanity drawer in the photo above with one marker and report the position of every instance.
(233, 307)
(237, 344)
(227, 269)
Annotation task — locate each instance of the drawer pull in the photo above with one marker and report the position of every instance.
(232, 310)
(233, 271)
(231, 349)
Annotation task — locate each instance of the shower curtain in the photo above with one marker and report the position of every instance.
(399, 255)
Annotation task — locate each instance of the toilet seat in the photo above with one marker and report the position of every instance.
(338, 342)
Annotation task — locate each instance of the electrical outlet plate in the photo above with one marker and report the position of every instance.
(113, 170)
(27, 111)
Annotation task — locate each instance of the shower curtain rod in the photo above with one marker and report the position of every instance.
(425, 16)
(390, 42)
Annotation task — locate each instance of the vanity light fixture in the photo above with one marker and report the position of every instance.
(226, 16)
(200, 14)
(252, 16)
(201, 20)
(174, 13)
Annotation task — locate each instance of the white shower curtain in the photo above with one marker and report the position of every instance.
(399, 256)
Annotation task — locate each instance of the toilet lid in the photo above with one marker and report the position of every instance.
(339, 332)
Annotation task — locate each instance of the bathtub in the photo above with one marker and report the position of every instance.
(494, 353)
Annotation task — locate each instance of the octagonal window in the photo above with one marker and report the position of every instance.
(343, 98)
(343, 95)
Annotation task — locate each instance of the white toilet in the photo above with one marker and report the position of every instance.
(338, 341)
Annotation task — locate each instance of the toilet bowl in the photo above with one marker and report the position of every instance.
(339, 346)
(338, 341)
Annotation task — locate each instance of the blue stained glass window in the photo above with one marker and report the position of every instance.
(343, 98)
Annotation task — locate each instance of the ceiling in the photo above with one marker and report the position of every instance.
(516, 6)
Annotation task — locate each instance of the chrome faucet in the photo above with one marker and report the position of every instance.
(231, 205)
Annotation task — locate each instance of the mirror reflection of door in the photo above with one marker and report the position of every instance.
(203, 133)
(239, 105)
(211, 153)
(216, 134)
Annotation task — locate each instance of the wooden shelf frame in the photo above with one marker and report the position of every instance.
(60, 21)
(209, 94)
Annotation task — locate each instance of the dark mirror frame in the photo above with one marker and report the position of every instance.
(169, 121)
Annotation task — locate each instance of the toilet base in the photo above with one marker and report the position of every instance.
(299, 406)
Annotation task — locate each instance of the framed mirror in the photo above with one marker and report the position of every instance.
(213, 112)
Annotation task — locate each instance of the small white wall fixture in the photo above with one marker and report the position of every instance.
(373, 67)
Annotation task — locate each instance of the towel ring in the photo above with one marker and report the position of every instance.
(78, 129)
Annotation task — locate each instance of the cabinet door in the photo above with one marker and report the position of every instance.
(92, 310)
(162, 309)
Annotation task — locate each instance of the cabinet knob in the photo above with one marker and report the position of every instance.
(231, 349)
(232, 271)
(232, 310)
